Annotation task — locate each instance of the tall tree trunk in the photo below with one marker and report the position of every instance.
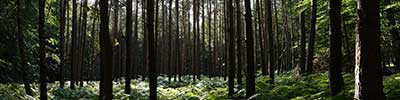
(310, 56)
(302, 43)
(178, 47)
(194, 41)
(239, 41)
(271, 62)
(106, 52)
(231, 62)
(135, 42)
(336, 82)
(152, 67)
(128, 46)
(250, 77)
(21, 48)
(368, 71)
(42, 50)
(260, 35)
(63, 8)
(74, 67)
(170, 41)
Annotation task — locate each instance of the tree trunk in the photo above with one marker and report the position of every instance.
(239, 41)
(231, 61)
(74, 67)
(152, 67)
(335, 51)
(178, 47)
(170, 41)
(368, 69)
(250, 77)
(260, 35)
(135, 42)
(128, 46)
(42, 50)
(21, 48)
(302, 43)
(271, 63)
(106, 52)
(310, 56)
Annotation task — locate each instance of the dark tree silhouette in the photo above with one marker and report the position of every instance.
(21, 48)
(231, 61)
(271, 62)
(152, 65)
(368, 69)
(105, 53)
(302, 43)
(335, 53)
(310, 56)
(42, 51)
(239, 41)
(250, 77)
(128, 46)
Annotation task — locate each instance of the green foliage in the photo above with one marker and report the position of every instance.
(287, 87)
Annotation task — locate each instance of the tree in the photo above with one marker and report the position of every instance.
(231, 61)
(302, 43)
(271, 62)
(74, 67)
(260, 35)
(170, 41)
(250, 77)
(152, 57)
(106, 52)
(335, 52)
(368, 69)
(42, 51)
(310, 53)
(128, 46)
(239, 40)
(178, 45)
(63, 7)
(21, 49)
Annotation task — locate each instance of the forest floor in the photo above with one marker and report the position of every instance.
(288, 86)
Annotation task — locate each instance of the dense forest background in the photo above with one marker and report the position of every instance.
(200, 49)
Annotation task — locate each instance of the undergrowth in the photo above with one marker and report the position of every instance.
(287, 86)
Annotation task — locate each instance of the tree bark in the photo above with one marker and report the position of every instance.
(74, 67)
(152, 57)
(302, 43)
(231, 61)
(42, 50)
(271, 62)
(21, 48)
(128, 46)
(239, 40)
(250, 77)
(106, 52)
(336, 82)
(368, 69)
(310, 56)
